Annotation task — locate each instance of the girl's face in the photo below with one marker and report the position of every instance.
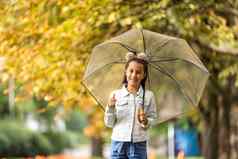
(135, 74)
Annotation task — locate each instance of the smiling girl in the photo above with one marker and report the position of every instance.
(131, 110)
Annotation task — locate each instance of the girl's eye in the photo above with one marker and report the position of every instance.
(138, 72)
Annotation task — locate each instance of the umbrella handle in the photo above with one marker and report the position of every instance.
(141, 115)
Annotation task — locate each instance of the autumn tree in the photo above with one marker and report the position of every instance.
(46, 44)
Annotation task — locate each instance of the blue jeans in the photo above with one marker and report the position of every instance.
(128, 150)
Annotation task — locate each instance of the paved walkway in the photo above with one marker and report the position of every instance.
(84, 152)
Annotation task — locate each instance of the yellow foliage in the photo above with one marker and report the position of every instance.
(96, 126)
(43, 45)
(47, 43)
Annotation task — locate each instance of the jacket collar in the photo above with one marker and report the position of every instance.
(125, 92)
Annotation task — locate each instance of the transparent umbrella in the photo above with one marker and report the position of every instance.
(176, 75)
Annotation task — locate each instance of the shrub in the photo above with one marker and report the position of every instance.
(60, 140)
(16, 140)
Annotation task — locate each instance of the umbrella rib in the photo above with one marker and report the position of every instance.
(175, 59)
(123, 45)
(83, 81)
(143, 38)
(178, 115)
(98, 69)
(169, 75)
(165, 59)
(91, 93)
(163, 43)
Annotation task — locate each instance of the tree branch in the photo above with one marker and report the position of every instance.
(227, 10)
(219, 49)
(224, 49)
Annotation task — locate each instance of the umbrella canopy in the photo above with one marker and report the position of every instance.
(176, 75)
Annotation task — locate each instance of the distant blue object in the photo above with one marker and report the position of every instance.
(187, 141)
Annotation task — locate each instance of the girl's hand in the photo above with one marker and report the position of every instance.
(142, 117)
(112, 101)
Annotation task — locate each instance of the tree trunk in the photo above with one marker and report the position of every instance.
(97, 147)
(234, 132)
(210, 145)
(216, 138)
(210, 136)
(224, 136)
(225, 120)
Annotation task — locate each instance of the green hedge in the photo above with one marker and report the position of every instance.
(60, 140)
(16, 140)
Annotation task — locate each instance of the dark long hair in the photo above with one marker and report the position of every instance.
(143, 81)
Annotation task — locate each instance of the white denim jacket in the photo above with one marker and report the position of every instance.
(123, 117)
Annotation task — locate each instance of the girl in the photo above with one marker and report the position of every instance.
(125, 111)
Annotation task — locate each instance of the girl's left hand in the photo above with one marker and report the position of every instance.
(142, 118)
(144, 122)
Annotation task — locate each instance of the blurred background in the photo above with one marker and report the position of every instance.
(45, 112)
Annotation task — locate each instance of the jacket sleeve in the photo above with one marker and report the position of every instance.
(109, 116)
(152, 111)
